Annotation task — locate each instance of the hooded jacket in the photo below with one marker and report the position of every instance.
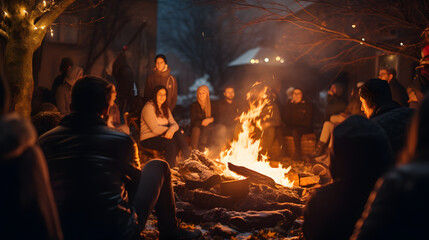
(394, 120)
(27, 206)
(93, 170)
(164, 79)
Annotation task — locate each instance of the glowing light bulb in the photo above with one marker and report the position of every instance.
(266, 59)
(252, 61)
(402, 44)
(35, 28)
(5, 14)
(44, 3)
(353, 26)
(282, 60)
(363, 39)
(52, 32)
(257, 61)
(42, 27)
(278, 58)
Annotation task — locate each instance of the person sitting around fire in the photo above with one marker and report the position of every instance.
(99, 187)
(362, 153)
(226, 114)
(326, 136)
(158, 128)
(201, 119)
(298, 118)
(397, 208)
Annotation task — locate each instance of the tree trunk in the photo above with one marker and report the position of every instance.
(19, 73)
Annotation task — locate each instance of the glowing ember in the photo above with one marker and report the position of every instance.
(245, 151)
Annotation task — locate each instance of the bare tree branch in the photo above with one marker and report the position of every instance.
(4, 34)
(48, 17)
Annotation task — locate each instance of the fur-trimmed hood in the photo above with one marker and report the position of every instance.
(16, 135)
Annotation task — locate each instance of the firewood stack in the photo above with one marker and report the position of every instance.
(252, 203)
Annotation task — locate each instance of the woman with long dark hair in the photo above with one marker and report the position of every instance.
(158, 128)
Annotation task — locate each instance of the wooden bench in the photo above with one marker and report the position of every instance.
(308, 144)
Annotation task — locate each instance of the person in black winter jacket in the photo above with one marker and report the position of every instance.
(397, 208)
(337, 102)
(100, 190)
(361, 154)
(377, 104)
(298, 117)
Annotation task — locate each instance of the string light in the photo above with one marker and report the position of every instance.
(42, 27)
(402, 44)
(5, 14)
(282, 61)
(252, 61)
(52, 31)
(24, 11)
(277, 58)
(266, 59)
(363, 39)
(35, 28)
(44, 3)
(353, 26)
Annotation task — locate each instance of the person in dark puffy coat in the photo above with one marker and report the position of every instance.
(397, 208)
(361, 154)
(377, 104)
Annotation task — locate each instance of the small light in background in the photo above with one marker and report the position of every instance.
(363, 39)
(252, 61)
(402, 44)
(353, 26)
(278, 58)
(282, 61)
(266, 59)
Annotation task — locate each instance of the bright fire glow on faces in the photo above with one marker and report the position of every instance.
(161, 96)
(245, 151)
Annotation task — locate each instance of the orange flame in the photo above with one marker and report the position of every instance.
(245, 151)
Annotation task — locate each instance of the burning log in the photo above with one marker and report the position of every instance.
(253, 176)
(207, 184)
(236, 189)
(208, 200)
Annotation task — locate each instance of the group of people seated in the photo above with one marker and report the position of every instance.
(83, 179)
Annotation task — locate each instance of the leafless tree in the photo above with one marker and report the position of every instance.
(337, 33)
(205, 38)
(24, 23)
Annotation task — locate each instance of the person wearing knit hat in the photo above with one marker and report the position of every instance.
(201, 118)
(63, 92)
